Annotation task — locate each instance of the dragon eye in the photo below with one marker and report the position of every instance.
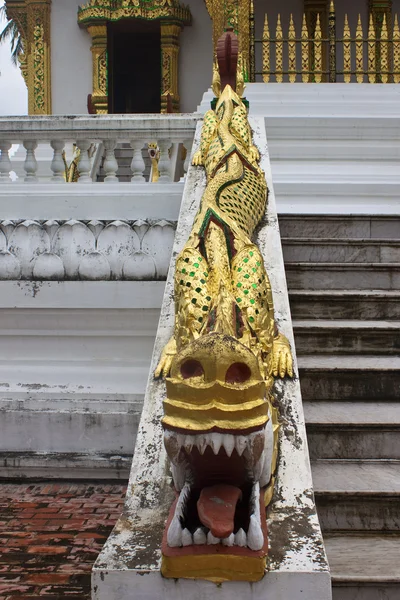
(191, 368)
(238, 373)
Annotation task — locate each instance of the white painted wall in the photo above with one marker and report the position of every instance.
(71, 60)
(196, 56)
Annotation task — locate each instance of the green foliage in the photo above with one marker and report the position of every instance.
(11, 34)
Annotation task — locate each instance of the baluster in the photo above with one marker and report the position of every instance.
(396, 51)
(30, 164)
(266, 52)
(359, 52)
(188, 147)
(318, 51)
(332, 43)
(371, 51)
(164, 161)
(384, 51)
(110, 163)
(137, 165)
(57, 164)
(84, 164)
(5, 162)
(346, 51)
(279, 51)
(292, 51)
(305, 52)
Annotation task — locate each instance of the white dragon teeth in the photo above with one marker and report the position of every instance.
(255, 537)
(240, 444)
(187, 539)
(199, 537)
(174, 534)
(241, 538)
(216, 442)
(229, 444)
(174, 442)
(229, 541)
(211, 540)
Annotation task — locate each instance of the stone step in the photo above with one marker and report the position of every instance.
(349, 377)
(339, 226)
(346, 337)
(357, 495)
(340, 251)
(364, 567)
(325, 169)
(363, 276)
(345, 304)
(353, 430)
(341, 150)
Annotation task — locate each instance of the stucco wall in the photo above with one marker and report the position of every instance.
(196, 57)
(71, 59)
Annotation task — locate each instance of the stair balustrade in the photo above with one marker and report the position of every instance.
(73, 149)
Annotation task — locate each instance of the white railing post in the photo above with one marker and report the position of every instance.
(137, 165)
(188, 147)
(30, 165)
(5, 162)
(164, 162)
(84, 161)
(57, 164)
(110, 162)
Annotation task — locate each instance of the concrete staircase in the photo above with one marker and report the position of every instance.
(343, 274)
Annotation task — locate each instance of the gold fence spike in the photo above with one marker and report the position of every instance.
(346, 51)
(396, 51)
(266, 51)
(371, 51)
(292, 51)
(318, 51)
(279, 51)
(359, 52)
(305, 52)
(332, 7)
(384, 51)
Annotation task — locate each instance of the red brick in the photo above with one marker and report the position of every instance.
(47, 550)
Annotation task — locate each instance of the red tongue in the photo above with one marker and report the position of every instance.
(216, 508)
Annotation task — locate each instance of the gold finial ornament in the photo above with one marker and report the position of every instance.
(279, 51)
(292, 51)
(318, 51)
(222, 359)
(396, 51)
(305, 52)
(359, 52)
(346, 51)
(371, 51)
(266, 51)
(384, 51)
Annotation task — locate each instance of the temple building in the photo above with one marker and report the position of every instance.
(98, 191)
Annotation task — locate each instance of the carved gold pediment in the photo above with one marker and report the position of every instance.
(114, 10)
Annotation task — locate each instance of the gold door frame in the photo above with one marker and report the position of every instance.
(33, 21)
(97, 13)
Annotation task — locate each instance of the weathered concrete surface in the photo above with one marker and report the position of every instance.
(128, 566)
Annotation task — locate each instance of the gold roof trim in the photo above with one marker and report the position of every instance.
(114, 10)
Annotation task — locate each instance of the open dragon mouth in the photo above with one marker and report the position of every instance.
(220, 479)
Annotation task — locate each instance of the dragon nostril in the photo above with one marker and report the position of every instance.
(238, 373)
(191, 368)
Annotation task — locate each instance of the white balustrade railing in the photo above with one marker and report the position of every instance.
(92, 135)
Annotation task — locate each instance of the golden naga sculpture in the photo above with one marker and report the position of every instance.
(220, 422)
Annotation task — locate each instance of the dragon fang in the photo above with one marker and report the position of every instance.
(220, 422)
